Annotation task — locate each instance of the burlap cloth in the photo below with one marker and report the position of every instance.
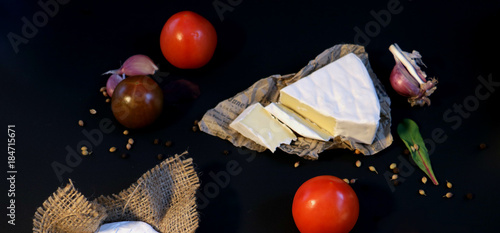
(163, 197)
(216, 121)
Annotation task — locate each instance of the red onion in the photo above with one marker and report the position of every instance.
(408, 80)
(136, 65)
(113, 80)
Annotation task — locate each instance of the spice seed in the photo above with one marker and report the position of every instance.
(482, 146)
(395, 182)
(392, 166)
(353, 180)
(159, 156)
(168, 143)
(424, 179)
(128, 146)
(156, 141)
(346, 180)
(448, 184)
(112, 149)
(395, 170)
(194, 128)
(226, 152)
(80, 123)
(448, 195)
(394, 177)
(84, 148)
(124, 155)
(130, 141)
(357, 151)
(108, 100)
(105, 94)
(296, 164)
(85, 152)
(358, 163)
(125, 132)
(422, 192)
(469, 196)
(92, 111)
(372, 168)
(102, 89)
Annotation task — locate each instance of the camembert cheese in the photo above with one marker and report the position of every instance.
(297, 123)
(339, 97)
(260, 126)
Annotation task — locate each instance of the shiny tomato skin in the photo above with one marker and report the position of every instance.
(188, 40)
(137, 101)
(325, 204)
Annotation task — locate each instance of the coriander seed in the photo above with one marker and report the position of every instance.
(392, 166)
(358, 163)
(448, 195)
(125, 132)
(80, 123)
(112, 149)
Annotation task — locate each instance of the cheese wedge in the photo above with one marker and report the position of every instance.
(339, 97)
(297, 123)
(260, 126)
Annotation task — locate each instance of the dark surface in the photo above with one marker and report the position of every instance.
(54, 79)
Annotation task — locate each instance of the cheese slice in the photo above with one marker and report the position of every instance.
(126, 227)
(298, 123)
(339, 97)
(260, 126)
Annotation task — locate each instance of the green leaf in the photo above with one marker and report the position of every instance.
(408, 132)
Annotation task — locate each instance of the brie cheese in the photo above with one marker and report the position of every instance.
(260, 126)
(339, 97)
(297, 123)
(126, 227)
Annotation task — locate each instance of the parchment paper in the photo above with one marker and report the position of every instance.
(216, 121)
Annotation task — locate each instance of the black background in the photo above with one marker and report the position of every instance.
(52, 81)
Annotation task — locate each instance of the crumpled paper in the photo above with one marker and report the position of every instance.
(216, 120)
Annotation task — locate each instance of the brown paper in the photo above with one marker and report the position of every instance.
(216, 121)
(164, 197)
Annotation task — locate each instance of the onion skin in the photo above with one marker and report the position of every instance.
(137, 102)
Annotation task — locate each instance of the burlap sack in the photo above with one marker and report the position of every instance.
(163, 197)
(216, 121)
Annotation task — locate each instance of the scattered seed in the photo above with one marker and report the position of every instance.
(358, 163)
(226, 152)
(102, 89)
(346, 180)
(124, 155)
(395, 182)
(422, 192)
(296, 164)
(80, 123)
(357, 151)
(482, 146)
(84, 148)
(448, 184)
(194, 128)
(85, 152)
(108, 100)
(469, 196)
(105, 94)
(372, 168)
(395, 170)
(128, 146)
(159, 156)
(353, 180)
(130, 141)
(406, 151)
(92, 111)
(168, 143)
(112, 149)
(156, 141)
(415, 146)
(394, 177)
(392, 166)
(448, 195)
(195, 122)
(125, 132)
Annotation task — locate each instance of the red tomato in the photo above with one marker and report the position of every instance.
(325, 204)
(188, 40)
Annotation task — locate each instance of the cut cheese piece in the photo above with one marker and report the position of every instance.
(339, 97)
(297, 123)
(260, 126)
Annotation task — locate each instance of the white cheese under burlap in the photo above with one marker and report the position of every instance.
(260, 126)
(339, 97)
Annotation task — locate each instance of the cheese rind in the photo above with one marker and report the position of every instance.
(260, 126)
(298, 123)
(339, 97)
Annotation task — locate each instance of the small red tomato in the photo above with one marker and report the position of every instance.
(137, 101)
(325, 204)
(188, 40)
